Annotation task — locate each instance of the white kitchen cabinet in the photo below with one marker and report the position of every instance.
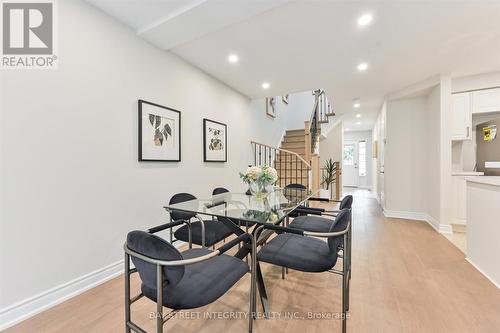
(487, 100)
(459, 200)
(461, 116)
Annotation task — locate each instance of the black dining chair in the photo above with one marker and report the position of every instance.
(292, 249)
(246, 224)
(301, 209)
(220, 190)
(182, 280)
(205, 233)
(322, 224)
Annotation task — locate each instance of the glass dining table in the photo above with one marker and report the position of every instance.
(236, 209)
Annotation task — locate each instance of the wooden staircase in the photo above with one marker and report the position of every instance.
(297, 158)
(291, 168)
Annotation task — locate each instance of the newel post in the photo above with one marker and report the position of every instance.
(338, 181)
(315, 168)
(307, 140)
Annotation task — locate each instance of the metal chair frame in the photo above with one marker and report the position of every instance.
(161, 319)
(345, 272)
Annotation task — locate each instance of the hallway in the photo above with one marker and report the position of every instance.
(406, 278)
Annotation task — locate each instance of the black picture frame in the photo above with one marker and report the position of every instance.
(207, 158)
(175, 113)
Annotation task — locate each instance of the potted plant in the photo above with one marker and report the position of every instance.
(328, 178)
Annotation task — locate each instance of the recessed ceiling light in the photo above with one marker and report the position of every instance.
(365, 19)
(362, 66)
(265, 85)
(357, 104)
(347, 129)
(358, 123)
(358, 116)
(232, 58)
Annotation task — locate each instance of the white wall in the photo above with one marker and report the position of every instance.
(405, 155)
(433, 155)
(417, 176)
(71, 185)
(332, 145)
(379, 136)
(357, 136)
(288, 116)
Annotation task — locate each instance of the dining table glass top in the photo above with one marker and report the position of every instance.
(269, 209)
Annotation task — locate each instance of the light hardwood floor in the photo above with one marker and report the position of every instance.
(406, 278)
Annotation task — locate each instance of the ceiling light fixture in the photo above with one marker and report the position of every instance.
(362, 66)
(265, 85)
(358, 123)
(356, 104)
(232, 58)
(358, 116)
(365, 19)
(347, 129)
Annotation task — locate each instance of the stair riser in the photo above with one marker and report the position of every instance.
(295, 133)
(292, 145)
(294, 139)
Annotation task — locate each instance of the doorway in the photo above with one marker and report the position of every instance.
(350, 174)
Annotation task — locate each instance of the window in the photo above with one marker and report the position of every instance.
(362, 158)
(349, 154)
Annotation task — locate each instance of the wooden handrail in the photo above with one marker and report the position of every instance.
(283, 150)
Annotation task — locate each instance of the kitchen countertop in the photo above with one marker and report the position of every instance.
(488, 180)
(467, 173)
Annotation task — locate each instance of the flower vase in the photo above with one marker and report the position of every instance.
(259, 190)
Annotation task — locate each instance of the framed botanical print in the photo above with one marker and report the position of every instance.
(214, 141)
(271, 106)
(159, 133)
(284, 98)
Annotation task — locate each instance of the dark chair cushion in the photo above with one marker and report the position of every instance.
(215, 231)
(340, 224)
(346, 203)
(297, 252)
(179, 215)
(312, 223)
(157, 248)
(219, 190)
(296, 186)
(203, 282)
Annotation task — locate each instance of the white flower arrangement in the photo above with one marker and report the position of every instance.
(263, 176)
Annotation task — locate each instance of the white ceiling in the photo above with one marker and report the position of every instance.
(304, 45)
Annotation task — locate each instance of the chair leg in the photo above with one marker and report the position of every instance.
(246, 230)
(190, 234)
(350, 251)
(127, 293)
(253, 287)
(159, 299)
(344, 288)
(287, 224)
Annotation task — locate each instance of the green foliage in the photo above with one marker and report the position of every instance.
(329, 175)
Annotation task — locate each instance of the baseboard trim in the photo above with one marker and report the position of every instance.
(25, 309)
(445, 229)
(29, 307)
(482, 272)
(417, 216)
(405, 215)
